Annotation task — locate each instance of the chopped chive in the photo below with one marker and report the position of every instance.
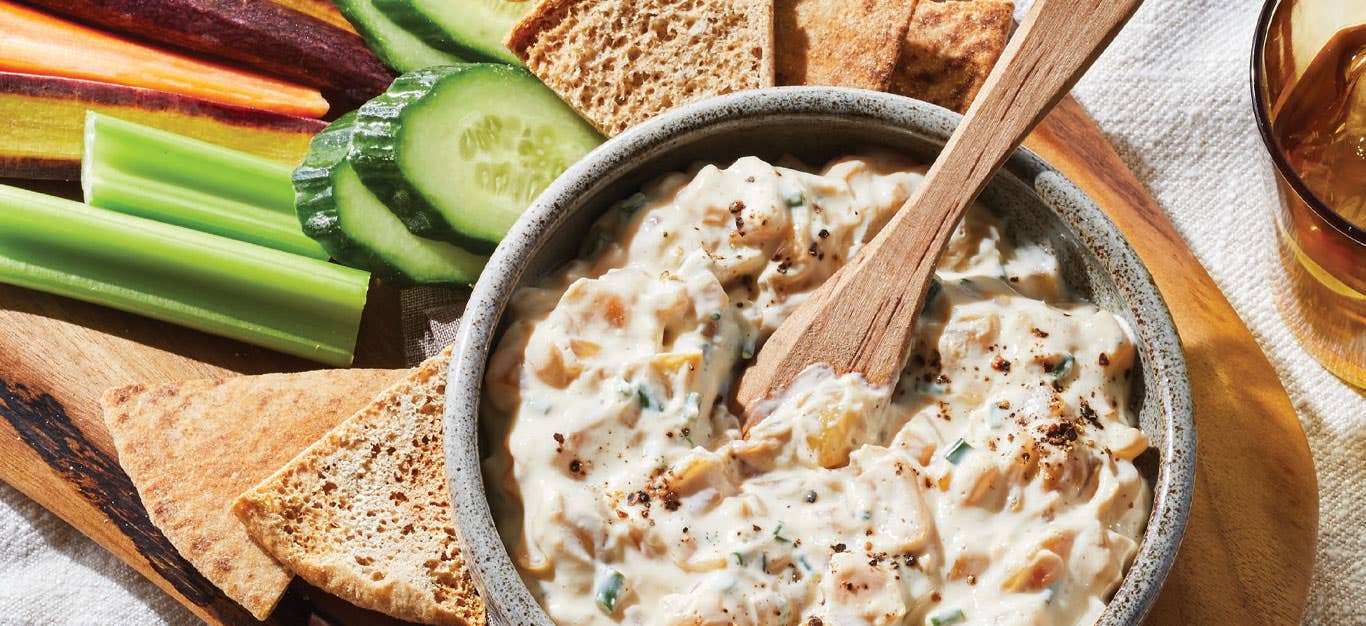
(634, 203)
(763, 562)
(866, 515)
(794, 198)
(596, 243)
(996, 416)
(647, 400)
(739, 558)
(930, 294)
(777, 534)
(946, 617)
(957, 450)
(805, 563)
(608, 591)
(1063, 367)
(693, 409)
(715, 315)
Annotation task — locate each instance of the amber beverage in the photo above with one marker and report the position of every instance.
(1309, 92)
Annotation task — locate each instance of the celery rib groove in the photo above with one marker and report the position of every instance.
(162, 176)
(298, 305)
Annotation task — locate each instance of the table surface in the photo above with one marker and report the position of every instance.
(1171, 97)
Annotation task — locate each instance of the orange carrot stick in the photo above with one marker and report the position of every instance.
(38, 43)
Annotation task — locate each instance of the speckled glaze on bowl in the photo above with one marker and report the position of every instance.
(815, 123)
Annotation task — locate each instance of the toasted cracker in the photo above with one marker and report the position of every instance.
(950, 49)
(191, 447)
(620, 63)
(846, 43)
(364, 513)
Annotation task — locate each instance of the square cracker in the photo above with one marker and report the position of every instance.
(845, 43)
(191, 447)
(620, 63)
(951, 48)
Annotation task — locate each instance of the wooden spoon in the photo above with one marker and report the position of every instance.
(861, 319)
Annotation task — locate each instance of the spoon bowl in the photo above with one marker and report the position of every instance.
(862, 318)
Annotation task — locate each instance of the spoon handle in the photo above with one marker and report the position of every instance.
(1053, 47)
(861, 319)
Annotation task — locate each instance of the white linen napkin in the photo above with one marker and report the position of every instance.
(1173, 96)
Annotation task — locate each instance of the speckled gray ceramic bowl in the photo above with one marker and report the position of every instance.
(815, 123)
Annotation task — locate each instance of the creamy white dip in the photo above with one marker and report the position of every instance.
(993, 485)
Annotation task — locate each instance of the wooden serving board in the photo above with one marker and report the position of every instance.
(1246, 559)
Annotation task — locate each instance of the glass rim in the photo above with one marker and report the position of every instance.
(1273, 146)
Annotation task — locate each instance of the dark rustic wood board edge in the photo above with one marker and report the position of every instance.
(58, 355)
(85, 486)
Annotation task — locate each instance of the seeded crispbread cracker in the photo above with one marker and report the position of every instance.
(364, 513)
(844, 43)
(951, 47)
(191, 447)
(620, 63)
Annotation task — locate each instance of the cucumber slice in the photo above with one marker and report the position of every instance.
(465, 27)
(338, 211)
(398, 257)
(459, 152)
(313, 200)
(398, 48)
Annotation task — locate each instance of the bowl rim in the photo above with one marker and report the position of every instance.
(508, 599)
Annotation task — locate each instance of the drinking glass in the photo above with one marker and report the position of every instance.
(1320, 283)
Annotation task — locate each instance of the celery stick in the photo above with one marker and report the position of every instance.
(286, 302)
(163, 176)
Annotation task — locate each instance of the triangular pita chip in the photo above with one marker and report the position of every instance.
(844, 43)
(951, 47)
(191, 447)
(364, 513)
